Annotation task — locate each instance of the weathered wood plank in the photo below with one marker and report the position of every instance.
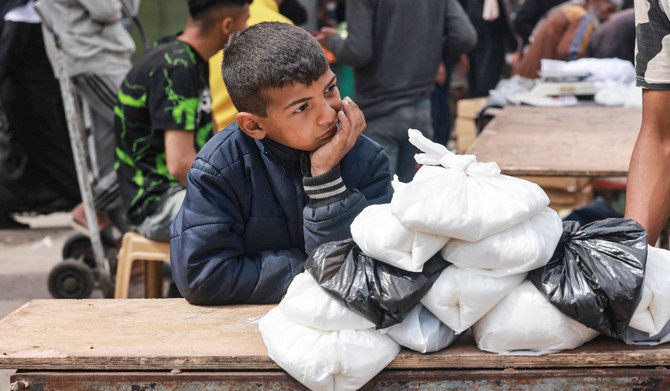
(569, 141)
(585, 379)
(160, 334)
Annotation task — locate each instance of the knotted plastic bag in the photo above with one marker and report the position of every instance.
(522, 248)
(595, 275)
(457, 197)
(421, 331)
(525, 323)
(381, 293)
(326, 360)
(381, 236)
(651, 321)
(307, 303)
(460, 297)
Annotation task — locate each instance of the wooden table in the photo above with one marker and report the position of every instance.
(592, 141)
(167, 344)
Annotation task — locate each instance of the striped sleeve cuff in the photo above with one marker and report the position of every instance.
(325, 188)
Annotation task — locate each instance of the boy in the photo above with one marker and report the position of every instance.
(164, 114)
(291, 173)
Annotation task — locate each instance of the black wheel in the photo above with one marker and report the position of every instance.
(79, 245)
(71, 279)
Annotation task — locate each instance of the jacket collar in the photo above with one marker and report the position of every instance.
(283, 155)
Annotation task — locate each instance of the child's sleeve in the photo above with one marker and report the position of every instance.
(327, 219)
(209, 264)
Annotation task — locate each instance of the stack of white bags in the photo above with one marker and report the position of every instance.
(493, 229)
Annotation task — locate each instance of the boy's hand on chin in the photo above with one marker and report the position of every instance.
(328, 156)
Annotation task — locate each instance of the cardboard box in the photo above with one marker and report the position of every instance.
(466, 133)
(464, 125)
(468, 108)
(570, 184)
(561, 199)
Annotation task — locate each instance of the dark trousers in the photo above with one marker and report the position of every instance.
(31, 98)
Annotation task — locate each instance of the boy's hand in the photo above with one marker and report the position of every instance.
(328, 156)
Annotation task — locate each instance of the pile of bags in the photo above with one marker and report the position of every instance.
(462, 246)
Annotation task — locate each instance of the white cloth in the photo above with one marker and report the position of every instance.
(522, 248)
(23, 14)
(307, 303)
(653, 311)
(462, 199)
(618, 94)
(326, 360)
(614, 69)
(381, 236)
(525, 323)
(491, 10)
(460, 297)
(421, 331)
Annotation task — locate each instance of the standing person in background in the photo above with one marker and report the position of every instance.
(648, 189)
(395, 48)
(495, 38)
(37, 171)
(529, 14)
(164, 114)
(565, 33)
(223, 110)
(615, 38)
(97, 50)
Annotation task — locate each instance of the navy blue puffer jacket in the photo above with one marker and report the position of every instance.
(246, 225)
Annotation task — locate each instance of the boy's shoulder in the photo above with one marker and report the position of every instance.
(227, 147)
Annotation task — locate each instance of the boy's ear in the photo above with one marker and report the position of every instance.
(249, 124)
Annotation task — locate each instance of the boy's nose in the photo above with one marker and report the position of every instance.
(328, 114)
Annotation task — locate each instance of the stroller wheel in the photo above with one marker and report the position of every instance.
(79, 245)
(71, 279)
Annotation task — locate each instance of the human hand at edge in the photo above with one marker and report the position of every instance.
(352, 124)
(323, 35)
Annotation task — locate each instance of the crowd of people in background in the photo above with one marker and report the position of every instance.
(148, 126)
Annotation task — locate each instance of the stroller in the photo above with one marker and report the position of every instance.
(89, 260)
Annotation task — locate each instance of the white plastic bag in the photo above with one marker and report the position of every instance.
(460, 297)
(421, 331)
(462, 199)
(307, 303)
(381, 236)
(522, 248)
(525, 323)
(326, 360)
(653, 312)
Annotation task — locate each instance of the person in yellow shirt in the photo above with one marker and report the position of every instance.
(223, 111)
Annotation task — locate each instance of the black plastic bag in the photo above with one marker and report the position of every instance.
(381, 293)
(595, 275)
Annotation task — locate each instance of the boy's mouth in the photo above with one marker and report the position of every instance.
(331, 131)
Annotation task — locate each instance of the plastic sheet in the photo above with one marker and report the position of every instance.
(595, 276)
(381, 293)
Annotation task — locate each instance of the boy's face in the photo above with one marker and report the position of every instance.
(303, 117)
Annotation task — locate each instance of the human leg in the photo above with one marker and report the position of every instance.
(157, 225)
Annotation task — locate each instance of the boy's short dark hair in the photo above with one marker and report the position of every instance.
(197, 8)
(269, 55)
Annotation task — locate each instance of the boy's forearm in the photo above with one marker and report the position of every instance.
(648, 188)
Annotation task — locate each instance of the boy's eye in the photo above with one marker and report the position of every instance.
(331, 88)
(301, 108)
